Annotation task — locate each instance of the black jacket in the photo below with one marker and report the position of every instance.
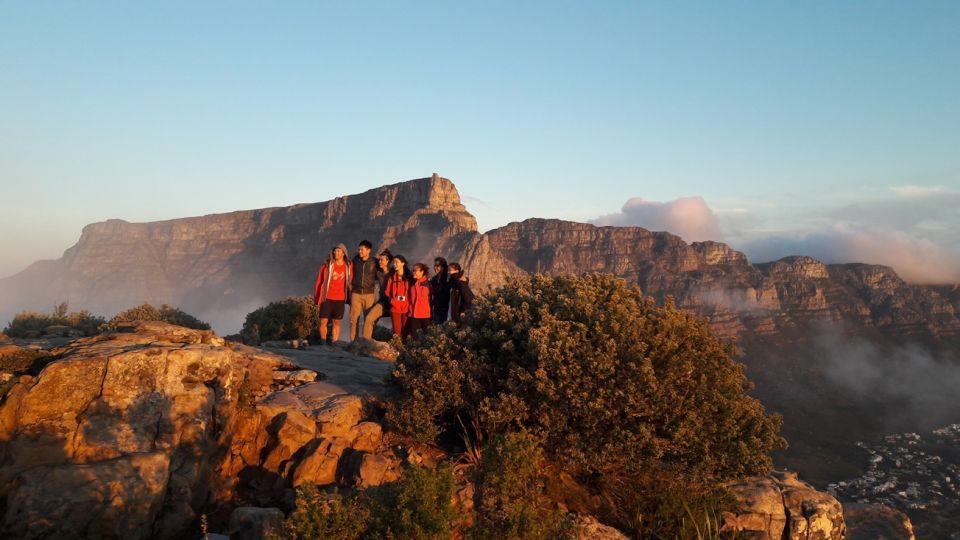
(364, 275)
(461, 297)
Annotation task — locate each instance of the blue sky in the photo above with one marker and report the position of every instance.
(800, 126)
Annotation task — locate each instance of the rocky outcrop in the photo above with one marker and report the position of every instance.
(782, 507)
(132, 435)
(876, 522)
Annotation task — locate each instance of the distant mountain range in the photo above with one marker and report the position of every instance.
(221, 266)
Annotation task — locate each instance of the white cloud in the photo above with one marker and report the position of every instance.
(688, 217)
(911, 191)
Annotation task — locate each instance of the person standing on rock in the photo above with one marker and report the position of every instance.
(440, 289)
(398, 291)
(382, 307)
(461, 296)
(363, 286)
(421, 300)
(331, 290)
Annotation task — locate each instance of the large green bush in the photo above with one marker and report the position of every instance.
(605, 379)
(295, 317)
(33, 324)
(147, 312)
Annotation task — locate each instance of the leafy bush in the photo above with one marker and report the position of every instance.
(325, 515)
(663, 502)
(31, 323)
(295, 317)
(604, 378)
(510, 493)
(382, 333)
(147, 312)
(417, 507)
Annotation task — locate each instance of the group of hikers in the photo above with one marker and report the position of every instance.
(387, 287)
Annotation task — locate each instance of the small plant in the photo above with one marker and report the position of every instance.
(295, 317)
(510, 498)
(419, 506)
(323, 515)
(147, 312)
(472, 442)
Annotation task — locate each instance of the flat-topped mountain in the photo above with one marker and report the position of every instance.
(222, 266)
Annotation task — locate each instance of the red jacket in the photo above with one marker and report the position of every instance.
(322, 284)
(398, 291)
(420, 300)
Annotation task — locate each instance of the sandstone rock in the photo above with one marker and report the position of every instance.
(781, 506)
(876, 522)
(371, 347)
(118, 498)
(366, 436)
(134, 434)
(286, 344)
(588, 528)
(365, 470)
(252, 523)
(297, 376)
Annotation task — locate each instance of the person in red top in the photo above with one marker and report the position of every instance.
(331, 290)
(420, 300)
(398, 292)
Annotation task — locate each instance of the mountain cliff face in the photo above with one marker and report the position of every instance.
(223, 266)
(232, 263)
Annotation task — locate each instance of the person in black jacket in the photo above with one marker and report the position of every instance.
(440, 291)
(363, 286)
(461, 297)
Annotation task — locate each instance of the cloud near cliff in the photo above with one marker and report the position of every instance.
(688, 217)
(913, 229)
(916, 260)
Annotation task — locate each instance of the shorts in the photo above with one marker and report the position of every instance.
(332, 309)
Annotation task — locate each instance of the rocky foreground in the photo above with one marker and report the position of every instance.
(137, 434)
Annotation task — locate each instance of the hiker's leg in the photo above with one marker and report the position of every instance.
(356, 310)
(370, 319)
(323, 329)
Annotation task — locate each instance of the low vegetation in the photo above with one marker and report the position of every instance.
(30, 324)
(147, 312)
(295, 317)
(417, 507)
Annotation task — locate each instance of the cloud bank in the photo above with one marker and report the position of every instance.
(688, 217)
(913, 229)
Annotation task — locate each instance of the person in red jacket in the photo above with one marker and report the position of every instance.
(331, 290)
(398, 292)
(420, 299)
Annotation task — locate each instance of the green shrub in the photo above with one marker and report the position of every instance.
(147, 312)
(662, 503)
(295, 317)
(596, 371)
(33, 324)
(382, 333)
(510, 499)
(322, 515)
(419, 506)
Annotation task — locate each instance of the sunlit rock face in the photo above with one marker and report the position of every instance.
(133, 435)
(220, 267)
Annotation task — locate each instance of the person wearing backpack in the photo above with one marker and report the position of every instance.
(461, 296)
(331, 291)
(398, 292)
(421, 297)
(440, 291)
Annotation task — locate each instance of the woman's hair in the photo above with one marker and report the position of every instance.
(456, 266)
(443, 264)
(406, 268)
(386, 253)
(423, 268)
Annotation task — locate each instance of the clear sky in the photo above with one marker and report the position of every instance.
(829, 128)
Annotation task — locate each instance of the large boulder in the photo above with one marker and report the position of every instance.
(780, 506)
(876, 522)
(135, 434)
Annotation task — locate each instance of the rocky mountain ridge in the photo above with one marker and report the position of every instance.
(222, 266)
